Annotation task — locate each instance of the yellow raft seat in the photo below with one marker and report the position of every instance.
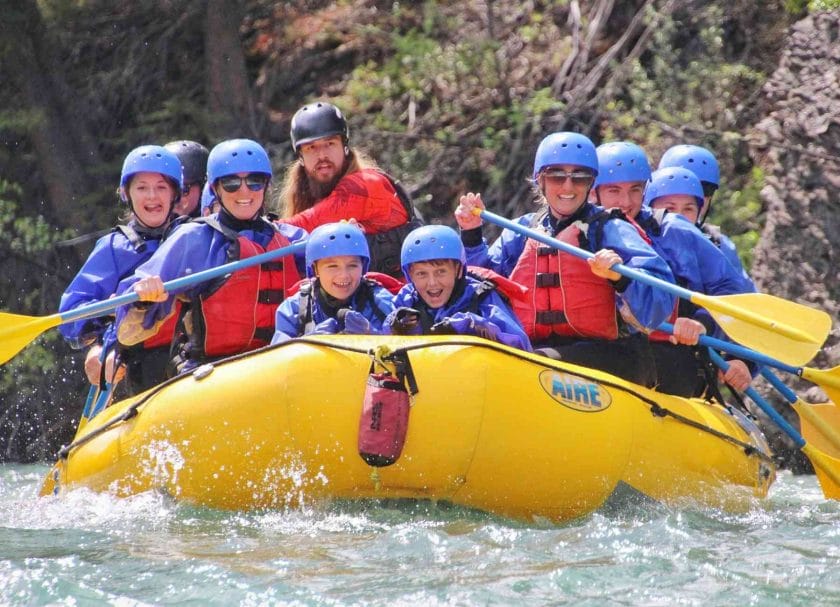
(491, 428)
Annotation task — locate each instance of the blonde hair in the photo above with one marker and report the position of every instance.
(296, 195)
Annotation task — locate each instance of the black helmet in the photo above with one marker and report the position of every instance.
(193, 157)
(316, 121)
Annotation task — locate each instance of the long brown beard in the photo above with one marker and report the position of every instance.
(320, 190)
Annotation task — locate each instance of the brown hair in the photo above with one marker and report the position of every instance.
(296, 194)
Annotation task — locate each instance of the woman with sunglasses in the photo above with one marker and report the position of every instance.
(235, 313)
(577, 311)
(150, 186)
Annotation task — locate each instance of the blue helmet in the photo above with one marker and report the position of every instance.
(566, 148)
(696, 159)
(673, 180)
(208, 197)
(334, 239)
(432, 242)
(621, 161)
(151, 159)
(237, 156)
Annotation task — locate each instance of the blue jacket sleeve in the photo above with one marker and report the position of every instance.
(112, 258)
(639, 303)
(730, 252)
(286, 323)
(190, 249)
(383, 300)
(502, 255)
(510, 331)
(294, 234)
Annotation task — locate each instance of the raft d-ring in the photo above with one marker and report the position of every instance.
(203, 371)
(379, 354)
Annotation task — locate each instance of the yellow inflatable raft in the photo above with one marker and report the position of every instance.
(491, 428)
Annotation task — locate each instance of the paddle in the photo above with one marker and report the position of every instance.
(819, 420)
(828, 380)
(17, 330)
(795, 340)
(826, 467)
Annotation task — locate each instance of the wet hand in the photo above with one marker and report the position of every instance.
(602, 262)
(150, 288)
(466, 213)
(687, 332)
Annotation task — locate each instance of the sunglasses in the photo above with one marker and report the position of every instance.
(577, 177)
(253, 181)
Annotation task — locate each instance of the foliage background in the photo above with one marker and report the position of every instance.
(448, 96)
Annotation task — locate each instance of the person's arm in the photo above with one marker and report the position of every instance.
(648, 305)
(191, 249)
(287, 320)
(96, 281)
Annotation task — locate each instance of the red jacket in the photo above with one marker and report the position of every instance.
(365, 195)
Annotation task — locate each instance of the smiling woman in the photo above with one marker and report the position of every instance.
(235, 313)
(150, 185)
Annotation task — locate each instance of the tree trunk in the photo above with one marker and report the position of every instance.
(229, 91)
(62, 145)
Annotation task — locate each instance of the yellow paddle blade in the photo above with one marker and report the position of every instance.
(827, 379)
(17, 331)
(820, 424)
(782, 329)
(827, 469)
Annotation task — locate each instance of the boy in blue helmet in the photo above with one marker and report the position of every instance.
(336, 297)
(150, 186)
(704, 165)
(234, 313)
(623, 176)
(579, 311)
(443, 297)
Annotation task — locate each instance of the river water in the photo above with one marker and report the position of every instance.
(89, 549)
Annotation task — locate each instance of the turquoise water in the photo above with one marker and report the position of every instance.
(88, 549)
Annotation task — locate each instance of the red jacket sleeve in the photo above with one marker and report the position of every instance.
(366, 195)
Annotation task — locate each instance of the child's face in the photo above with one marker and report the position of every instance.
(434, 280)
(339, 276)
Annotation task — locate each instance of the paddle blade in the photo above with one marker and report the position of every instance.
(820, 424)
(782, 329)
(828, 380)
(17, 331)
(827, 469)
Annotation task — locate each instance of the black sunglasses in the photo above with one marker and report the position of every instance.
(577, 177)
(253, 181)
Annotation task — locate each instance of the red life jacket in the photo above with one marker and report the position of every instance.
(565, 297)
(238, 316)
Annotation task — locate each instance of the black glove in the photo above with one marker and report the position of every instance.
(404, 321)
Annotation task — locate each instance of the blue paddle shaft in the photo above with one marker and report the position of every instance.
(577, 252)
(101, 308)
(763, 404)
(739, 351)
